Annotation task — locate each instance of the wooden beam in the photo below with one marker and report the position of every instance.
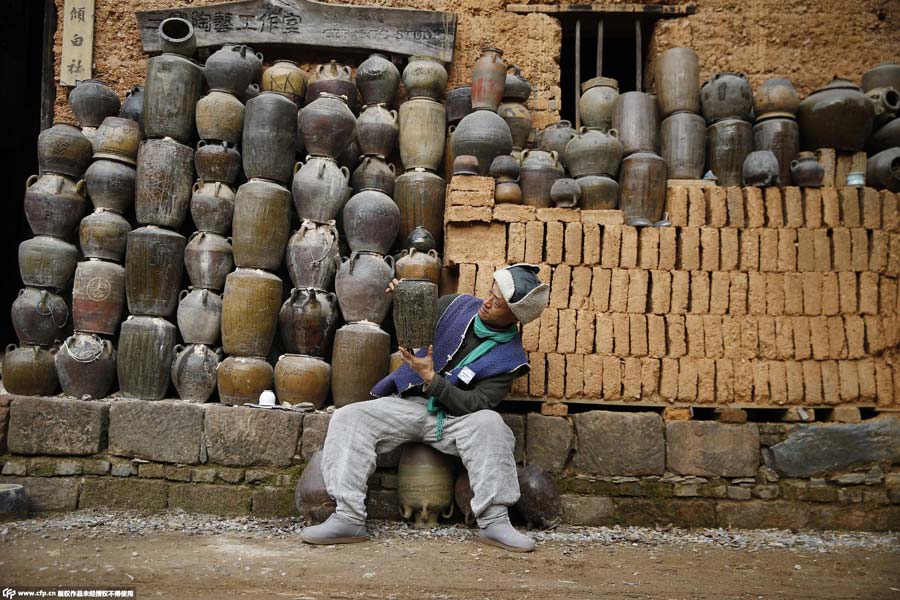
(663, 10)
(310, 23)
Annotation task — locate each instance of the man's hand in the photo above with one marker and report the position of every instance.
(424, 366)
(392, 285)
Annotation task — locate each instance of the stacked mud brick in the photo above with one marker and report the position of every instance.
(752, 296)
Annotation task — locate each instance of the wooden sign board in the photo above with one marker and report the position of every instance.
(77, 42)
(310, 23)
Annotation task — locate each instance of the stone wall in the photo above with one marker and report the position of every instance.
(612, 467)
(760, 298)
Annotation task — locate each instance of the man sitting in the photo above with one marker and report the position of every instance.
(445, 396)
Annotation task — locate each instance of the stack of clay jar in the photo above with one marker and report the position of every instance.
(86, 364)
(882, 86)
(231, 73)
(260, 232)
(683, 130)
(154, 256)
(642, 175)
(369, 223)
(726, 102)
(591, 155)
(54, 204)
(419, 191)
(776, 135)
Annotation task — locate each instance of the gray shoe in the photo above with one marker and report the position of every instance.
(334, 531)
(503, 535)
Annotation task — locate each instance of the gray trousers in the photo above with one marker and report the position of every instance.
(358, 432)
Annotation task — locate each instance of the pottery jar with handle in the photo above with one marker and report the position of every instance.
(333, 78)
(598, 192)
(555, 136)
(806, 170)
(212, 206)
(360, 285)
(286, 78)
(54, 204)
(836, 116)
(30, 371)
(415, 264)
(194, 371)
(232, 68)
(593, 152)
(536, 176)
(312, 255)
(217, 162)
(199, 316)
(39, 317)
(133, 106)
(86, 366)
(208, 259)
(424, 485)
(307, 322)
(377, 130)
(373, 173)
(320, 188)
(726, 96)
(488, 79)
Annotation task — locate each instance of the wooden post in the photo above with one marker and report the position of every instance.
(577, 71)
(48, 87)
(639, 86)
(599, 48)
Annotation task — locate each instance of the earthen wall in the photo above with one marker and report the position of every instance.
(805, 41)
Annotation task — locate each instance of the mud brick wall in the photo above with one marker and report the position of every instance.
(628, 468)
(752, 297)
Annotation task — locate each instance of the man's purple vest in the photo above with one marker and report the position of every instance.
(448, 337)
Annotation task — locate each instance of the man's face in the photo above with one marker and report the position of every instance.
(494, 311)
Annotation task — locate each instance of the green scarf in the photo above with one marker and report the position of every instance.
(491, 338)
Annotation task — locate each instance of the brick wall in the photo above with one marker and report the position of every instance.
(756, 297)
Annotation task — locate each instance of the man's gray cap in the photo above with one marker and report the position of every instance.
(523, 291)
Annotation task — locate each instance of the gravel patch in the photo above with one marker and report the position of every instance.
(101, 523)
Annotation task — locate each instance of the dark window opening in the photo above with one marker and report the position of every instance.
(619, 52)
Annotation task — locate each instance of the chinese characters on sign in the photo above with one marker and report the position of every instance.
(219, 21)
(78, 41)
(308, 23)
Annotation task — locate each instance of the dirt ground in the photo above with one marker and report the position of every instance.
(177, 558)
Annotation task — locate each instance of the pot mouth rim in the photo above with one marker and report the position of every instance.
(492, 49)
(425, 57)
(115, 157)
(318, 358)
(285, 60)
(600, 81)
(776, 114)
